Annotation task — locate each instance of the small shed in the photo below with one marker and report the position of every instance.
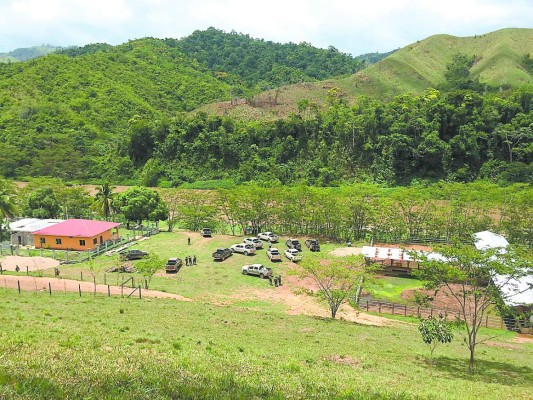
(23, 229)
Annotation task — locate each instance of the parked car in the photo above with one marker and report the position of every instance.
(243, 248)
(312, 244)
(268, 236)
(132, 255)
(254, 241)
(274, 254)
(222, 254)
(293, 255)
(206, 232)
(173, 265)
(294, 244)
(257, 270)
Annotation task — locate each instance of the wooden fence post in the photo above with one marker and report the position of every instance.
(50, 288)
(105, 279)
(108, 291)
(379, 309)
(18, 284)
(79, 288)
(392, 308)
(140, 297)
(405, 311)
(27, 270)
(367, 306)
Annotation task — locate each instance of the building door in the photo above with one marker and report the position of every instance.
(20, 240)
(101, 240)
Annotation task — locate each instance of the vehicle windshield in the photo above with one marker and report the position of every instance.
(294, 241)
(274, 252)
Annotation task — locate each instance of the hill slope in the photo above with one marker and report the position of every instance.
(500, 62)
(58, 113)
(27, 53)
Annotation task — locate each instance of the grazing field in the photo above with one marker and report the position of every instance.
(239, 337)
(64, 346)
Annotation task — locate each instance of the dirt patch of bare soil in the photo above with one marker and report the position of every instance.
(442, 299)
(298, 295)
(404, 246)
(31, 283)
(9, 263)
(343, 360)
(346, 251)
(523, 339)
(507, 346)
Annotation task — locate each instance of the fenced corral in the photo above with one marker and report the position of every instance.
(490, 321)
(70, 256)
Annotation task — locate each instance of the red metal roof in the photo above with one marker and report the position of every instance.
(77, 228)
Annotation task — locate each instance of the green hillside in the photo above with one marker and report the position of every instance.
(63, 115)
(500, 61)
(261, 64)
(27, 53)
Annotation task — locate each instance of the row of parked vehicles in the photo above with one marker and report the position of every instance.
(250, 245)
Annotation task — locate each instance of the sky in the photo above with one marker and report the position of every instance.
(352, 26)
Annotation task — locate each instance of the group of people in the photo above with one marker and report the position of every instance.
(190, 261)
(275, 280)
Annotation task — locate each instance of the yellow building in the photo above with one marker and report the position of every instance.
(76, 234)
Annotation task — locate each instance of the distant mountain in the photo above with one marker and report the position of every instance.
(27, 53)
(501, 59)
(263, 64)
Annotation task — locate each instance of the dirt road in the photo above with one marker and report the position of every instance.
(31, 283)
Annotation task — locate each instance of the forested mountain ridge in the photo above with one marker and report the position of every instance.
(264, 64)
(119, 113)
(27, 53)
(64, 116)
(499, 60)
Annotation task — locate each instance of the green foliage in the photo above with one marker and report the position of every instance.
(434, 331)
(42, 203)
(148, 266)
(139, 204)
(264, 64)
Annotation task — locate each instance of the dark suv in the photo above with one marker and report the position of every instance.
(132, 255)
(294, 244)
(312, 244)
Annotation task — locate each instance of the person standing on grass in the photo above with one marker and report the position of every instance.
(188, 241)
(270, 279)
(194, 260)
(187, 261)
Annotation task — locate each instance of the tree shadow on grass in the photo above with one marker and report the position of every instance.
(485, 370)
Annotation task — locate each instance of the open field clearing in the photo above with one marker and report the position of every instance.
(63, 346)
(238, 337)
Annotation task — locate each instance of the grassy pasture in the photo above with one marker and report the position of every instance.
(227, 347)
(64, 346)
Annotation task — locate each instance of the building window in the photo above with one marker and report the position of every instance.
(82, 242)
(42, 240)
(58, 241)
(95, 241)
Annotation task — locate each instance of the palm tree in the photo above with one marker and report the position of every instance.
(7, 204)
(103, 202)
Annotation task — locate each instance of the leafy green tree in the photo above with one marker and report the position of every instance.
(435, 331)
(337, 279)
(148, 266)
(475, 280)
(42, 203)
(139, 204)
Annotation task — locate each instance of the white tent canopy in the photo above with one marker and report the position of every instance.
(515, 291)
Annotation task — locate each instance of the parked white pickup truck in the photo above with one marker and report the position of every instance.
(274, 254)
(293, 255)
